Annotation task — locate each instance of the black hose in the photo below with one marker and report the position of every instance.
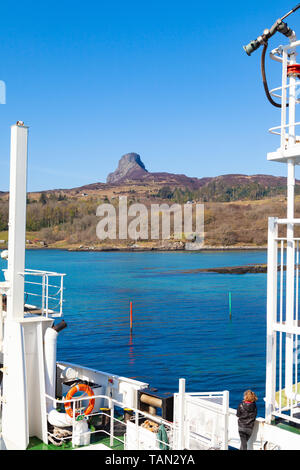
(264, 78)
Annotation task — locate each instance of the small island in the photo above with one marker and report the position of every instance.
(251, 268)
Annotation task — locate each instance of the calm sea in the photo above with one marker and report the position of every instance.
(181, 325)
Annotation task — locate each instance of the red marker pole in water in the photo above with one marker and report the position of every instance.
(130, 316)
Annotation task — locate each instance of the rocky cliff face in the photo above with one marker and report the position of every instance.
(130, 167)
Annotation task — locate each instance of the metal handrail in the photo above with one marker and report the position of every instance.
(44, 295)
(111, 405)
(272, 129)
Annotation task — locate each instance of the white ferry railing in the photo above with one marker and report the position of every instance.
(112, 404)
(206, 417)
(283, 328)
(44, 292)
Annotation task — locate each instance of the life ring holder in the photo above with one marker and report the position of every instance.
(81, 387)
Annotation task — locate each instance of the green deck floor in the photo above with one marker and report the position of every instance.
(288, 427)
(37, 444)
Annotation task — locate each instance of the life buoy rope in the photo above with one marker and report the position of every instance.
(81, 387)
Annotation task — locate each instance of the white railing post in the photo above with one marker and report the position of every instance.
(181, 415)
(137, 429)
(271, 318)
(111, 407)
(283, 100)
(43, 294)
(47, 294)
(61, 294)
(73, 422)
(1, 322)
(225, 412)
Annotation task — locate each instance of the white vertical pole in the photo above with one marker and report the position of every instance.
(181, 418)
(17, 221)
(290, 252)
(1, 321)
(61, 294)
(111, 431)
(14, 382)
(271, 318)
(283, 99)
(225, 413)
(137, 430)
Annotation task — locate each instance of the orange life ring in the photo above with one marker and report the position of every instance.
(79, 388)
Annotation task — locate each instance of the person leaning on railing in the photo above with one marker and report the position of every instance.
(246, 414)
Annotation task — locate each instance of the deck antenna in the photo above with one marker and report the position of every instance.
(283, 332)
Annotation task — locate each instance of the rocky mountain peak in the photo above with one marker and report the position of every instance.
(130, 166)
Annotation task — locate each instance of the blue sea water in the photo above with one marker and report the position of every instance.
(181, 325)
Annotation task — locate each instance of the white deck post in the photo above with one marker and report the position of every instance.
(290, 252)
(226, 420)
(17, 221)
(181, 407)
(15, 427)
(271, 318)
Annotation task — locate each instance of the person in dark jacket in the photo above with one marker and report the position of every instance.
(246, 414)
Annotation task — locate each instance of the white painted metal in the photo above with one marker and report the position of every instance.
(180, 418)
(48, 297)
(17, 221)
(283, 331)
(290, 261)
(123, 389)
(1, 321)
(15, 429)
(271, 318)
(50, 340)
(282, 313)
(34, 331)
(23, 389)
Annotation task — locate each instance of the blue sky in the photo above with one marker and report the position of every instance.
(166, 79)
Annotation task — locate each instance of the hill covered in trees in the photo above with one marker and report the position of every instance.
(236, 207)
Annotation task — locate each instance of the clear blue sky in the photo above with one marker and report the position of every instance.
(166, 79)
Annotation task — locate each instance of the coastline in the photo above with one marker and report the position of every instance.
(143, 249)
(137, 249)
(244, 269)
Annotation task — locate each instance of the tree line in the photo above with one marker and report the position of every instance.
(220, 192)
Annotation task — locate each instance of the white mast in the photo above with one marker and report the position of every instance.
(283, 327)
(15, 403)
(290, 255)
(17, 221)
(282, 391)
(24, 412)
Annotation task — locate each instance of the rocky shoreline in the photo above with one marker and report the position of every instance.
(140, 249)
(255, 268)
(128, 249)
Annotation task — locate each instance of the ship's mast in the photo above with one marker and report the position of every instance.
(17, 221)
(283, 332)
(26, 367)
